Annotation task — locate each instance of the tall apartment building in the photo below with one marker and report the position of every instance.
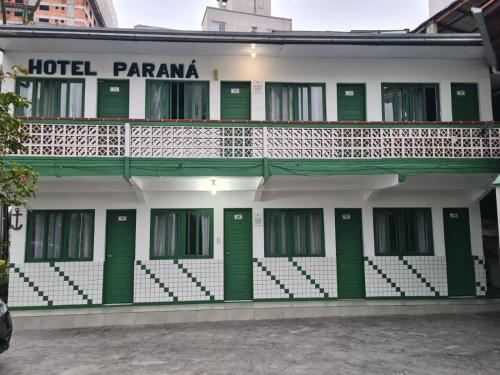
(244, 15)
(84, 13)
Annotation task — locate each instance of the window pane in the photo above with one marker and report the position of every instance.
(315, 233)
(419, 231)
(173, 227)
(299, 234)
(393, 104)
(317, 103)
(37, 239)
(204, 236)
(191, 233)
(63, 103)
(74, 234)
(48, 94)
(276, 233)
(385, 231)
(87, 228)
(431, 104)
(274, 103)
(198, 100)
(54, 236)
(159, 235)
(75, 99)
(26, 91)
(303, 104)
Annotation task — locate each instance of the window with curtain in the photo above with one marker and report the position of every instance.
(60, 236)
(403, 231)
(293, 232)
(51, 97)
(181, 233)
(295, 102)
(410, 102)
(177, 100)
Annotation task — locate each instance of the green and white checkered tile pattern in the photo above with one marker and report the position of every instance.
(294, 278)
(480, 271)
(418, 276)
(55, 284)
(183, 280)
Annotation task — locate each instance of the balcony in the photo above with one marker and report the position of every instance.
(315, 148)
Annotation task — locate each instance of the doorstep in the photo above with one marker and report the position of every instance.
(170, 314)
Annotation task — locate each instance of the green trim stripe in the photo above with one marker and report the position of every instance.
(157, 281)
(308, 277)
(384, 276)
(32, 285)
(273, 277)
(71, 283)
(419, 276)
(193, 279)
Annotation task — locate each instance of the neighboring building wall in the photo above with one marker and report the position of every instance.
(372, 72)
(80, 283)
(259, 7)
(68, 12)
(238, 21)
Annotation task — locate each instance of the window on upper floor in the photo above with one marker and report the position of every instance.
(410, 102)
(218, 26)
(60, 236)
(181, 233)
(51, 97)
(403, 231)
(295, 102)
(177, 100)
(293, 232)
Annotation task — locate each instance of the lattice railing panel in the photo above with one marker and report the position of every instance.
(239, 142)
(74, 140)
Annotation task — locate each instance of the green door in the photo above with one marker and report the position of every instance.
(238, 255)
(120, 256)
(351, 102)
(350, 266)
(113, 99)
(459, 262)
(465, 102)
(235, 101)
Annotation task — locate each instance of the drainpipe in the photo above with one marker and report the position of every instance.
(491, 56)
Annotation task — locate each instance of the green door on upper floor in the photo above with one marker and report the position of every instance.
(351, 102)
(465, 102)
(349, 244)
(238, 279)
(235, 101)
(459, 261)
(113, 99)
(120, 257)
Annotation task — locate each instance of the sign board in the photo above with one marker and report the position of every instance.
(453, 215)
(235, 91)
(122, 218)
(461, 93)
(349, 93)
(238, 217)
(258, 88)
(346, 217)
(114, 89)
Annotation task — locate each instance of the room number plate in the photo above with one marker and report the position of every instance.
(114, 89)
(349, 93)
(122, 218)
(235, 91)
(460, 93)
(346, 217)
(453, 215)
(238, 217)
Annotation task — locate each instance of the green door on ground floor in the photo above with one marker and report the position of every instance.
(459, 262)
(351, 102)
(113, 99)
(120, 256)
(349, 244)
(235, 101)
(238, 277)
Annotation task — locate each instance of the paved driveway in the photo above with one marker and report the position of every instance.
(458, 344)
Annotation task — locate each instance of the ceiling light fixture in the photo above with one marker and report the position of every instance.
(253, 51)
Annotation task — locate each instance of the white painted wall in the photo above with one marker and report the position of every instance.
(437, 200)
(261, 7)
(373, 72)
(243, 22)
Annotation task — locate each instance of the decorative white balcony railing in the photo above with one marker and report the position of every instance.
(254, 140)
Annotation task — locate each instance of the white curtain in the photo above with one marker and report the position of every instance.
(86, 234)
(74, 235)
(423, 228)
(317, 103)
(54, 240)
(155, 100)
(299, 234)
(75, 99)
(315, 233)
(274, 103)
(38, 235)
(160, 235)
(303, 104)
(172, 233)
(205, 233)
(26, 91)
(382, 231)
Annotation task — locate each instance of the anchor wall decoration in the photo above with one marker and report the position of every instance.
(16, 215)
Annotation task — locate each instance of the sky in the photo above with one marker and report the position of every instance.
(333, 15)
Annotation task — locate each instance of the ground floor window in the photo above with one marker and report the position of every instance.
(293, 232)
(51, 97)
(410, 102)
(177, 100)
(403, 231)
(181, 233)
(60, 236)
(295, 102)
